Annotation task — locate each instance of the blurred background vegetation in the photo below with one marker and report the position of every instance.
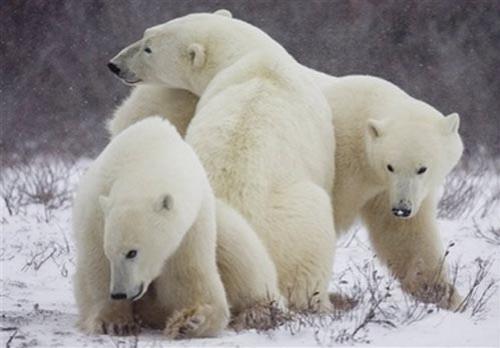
(56, 92)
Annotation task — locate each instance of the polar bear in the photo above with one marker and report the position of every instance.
(145, 218)
(262, 130)
(393, 153)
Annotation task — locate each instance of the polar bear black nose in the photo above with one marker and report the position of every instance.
(401, 212)
(118, 296)
(114, 68)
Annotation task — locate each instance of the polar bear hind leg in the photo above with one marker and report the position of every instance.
(301, 235)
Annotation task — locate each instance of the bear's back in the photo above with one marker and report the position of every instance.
(151, 148)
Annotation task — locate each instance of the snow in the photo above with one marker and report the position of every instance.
(38, 308)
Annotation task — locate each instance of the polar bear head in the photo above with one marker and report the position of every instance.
(187, 52)
(139, 236)
(412, 147)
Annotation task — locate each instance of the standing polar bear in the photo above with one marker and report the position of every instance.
(262, 130)
(393, 153)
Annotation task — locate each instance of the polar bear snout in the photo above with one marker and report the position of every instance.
(406, 194)
(403, 210)
(124, 74)
(133, 295)
(114, 68)
(123, 64)
(119, 296)
(124, 283)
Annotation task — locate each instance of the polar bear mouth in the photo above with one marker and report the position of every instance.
(139, 293)
(129, 82)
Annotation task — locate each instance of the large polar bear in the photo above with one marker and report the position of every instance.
(393, 153)
(144, 223)
(263, 131)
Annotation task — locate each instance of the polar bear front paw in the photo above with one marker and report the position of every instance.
(120, 328)
(452, 300)
(187, 323)
(112, 322)
(262, 317)
(442, 294)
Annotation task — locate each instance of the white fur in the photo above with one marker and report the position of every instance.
(376, 125)
(263, 132)
(173, 104)
(148, 192)
(247, 271)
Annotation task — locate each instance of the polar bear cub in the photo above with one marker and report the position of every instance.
(144, 218)
(262, 130)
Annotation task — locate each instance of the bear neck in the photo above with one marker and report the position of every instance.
(353, 162)
(246, 67)
(221, 58)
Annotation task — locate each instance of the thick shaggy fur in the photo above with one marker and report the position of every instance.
(175, 105)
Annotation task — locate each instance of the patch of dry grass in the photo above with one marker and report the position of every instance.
(472, 189)
(44, 182)
(378, 301)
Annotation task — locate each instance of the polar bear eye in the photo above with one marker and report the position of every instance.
(390, 168)
(421, 170)
(148, 50)
(131, 254)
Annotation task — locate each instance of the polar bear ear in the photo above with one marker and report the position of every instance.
(165, 202)
(224, 13)
(375, 128)
(197, 55)
(105, 204)
(451, 123)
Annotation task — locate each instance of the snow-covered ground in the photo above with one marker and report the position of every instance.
(38, 309)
